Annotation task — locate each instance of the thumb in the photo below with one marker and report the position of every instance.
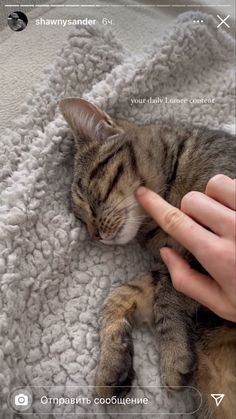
(186, 280)
(197, 286)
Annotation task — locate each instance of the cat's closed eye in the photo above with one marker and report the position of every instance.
(85, 213)
(105, 173)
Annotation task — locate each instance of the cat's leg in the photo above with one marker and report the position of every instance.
(122, 309)
(174, 318)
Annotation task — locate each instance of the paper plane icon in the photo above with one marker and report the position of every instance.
(218, 398)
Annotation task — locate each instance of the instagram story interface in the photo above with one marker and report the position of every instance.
(117, 221)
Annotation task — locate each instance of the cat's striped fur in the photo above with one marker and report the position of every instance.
(113, 158)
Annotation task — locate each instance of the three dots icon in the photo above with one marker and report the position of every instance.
(198, 21)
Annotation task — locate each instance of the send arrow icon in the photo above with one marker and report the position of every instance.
(218, 398)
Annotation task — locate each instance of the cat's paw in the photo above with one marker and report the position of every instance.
(115, 371)
(177, 369)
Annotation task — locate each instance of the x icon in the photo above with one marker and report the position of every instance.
(223, 21)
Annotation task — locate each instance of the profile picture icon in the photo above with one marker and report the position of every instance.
(17, 21)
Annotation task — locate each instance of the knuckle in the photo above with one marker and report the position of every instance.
(173, 219)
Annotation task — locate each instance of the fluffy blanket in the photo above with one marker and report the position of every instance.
(53, 278)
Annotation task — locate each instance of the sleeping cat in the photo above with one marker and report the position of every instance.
(113, 158)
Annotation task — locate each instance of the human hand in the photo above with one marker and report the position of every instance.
(215, 249)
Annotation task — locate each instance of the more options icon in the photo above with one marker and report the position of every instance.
(20, 399)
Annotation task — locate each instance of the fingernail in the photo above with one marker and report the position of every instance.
(141, 191)
(164, 254)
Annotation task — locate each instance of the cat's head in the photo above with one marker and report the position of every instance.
(105, 174)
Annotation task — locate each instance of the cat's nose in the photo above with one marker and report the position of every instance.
(93, 232)
(95, 235)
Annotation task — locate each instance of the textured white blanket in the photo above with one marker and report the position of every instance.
(53, 278)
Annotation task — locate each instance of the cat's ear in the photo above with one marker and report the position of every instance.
(87, 121)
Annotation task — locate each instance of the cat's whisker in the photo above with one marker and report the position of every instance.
(126, 198)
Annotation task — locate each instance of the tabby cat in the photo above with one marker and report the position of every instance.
(113, 158)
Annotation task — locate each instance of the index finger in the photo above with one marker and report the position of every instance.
(176, 223)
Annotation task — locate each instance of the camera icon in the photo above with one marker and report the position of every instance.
(21, 400)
